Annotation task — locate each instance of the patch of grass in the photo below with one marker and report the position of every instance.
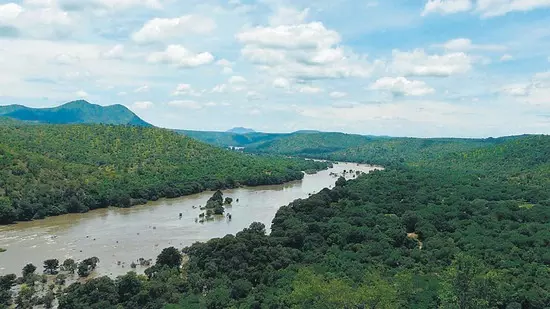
(527, 206)
(3, 250)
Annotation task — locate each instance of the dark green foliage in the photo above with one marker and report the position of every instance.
(47, 170)
(228, 200)
(7, 212)
(6, 283)
(74, 112)
(97, 293)
(51, 266)
(87, 266)
(129, 291)
(170, 257)
(69, 265)
(219, 210)
(28, 270)
(215, 200)
(48, 299)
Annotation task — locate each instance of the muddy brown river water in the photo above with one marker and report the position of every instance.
(116, 234)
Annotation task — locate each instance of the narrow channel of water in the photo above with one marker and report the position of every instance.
(125, 235)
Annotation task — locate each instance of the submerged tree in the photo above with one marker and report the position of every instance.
(69, 265)
(51, 266)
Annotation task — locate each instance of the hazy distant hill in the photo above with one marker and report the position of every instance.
(225, 139)
(74, 113)
(241, 130)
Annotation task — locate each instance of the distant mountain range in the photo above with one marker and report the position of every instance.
(74, 112)
(241, 130)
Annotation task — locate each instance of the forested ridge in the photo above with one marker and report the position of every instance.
(469, 229)
(48, 170)
(465, 229)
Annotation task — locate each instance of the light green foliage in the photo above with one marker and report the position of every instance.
(314, 291)
(48, 170)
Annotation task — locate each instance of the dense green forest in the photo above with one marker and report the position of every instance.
(469, 229)
(370, 149)
(225, 139)
(303, 143)
(74, 112)
(47, 170)
(346, 147)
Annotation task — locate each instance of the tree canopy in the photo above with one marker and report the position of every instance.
(47, 170)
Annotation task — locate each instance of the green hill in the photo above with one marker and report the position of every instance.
(226, 139)
(75, 112)
(48, 170)
(241, 130)
(311, 144)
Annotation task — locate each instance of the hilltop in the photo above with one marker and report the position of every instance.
(241, 130)
(75, 112)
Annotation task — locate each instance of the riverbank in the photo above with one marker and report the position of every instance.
(127, 234)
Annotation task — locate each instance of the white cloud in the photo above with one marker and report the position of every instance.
(337, 94)
(36, 22)
(122, 93)
(343, 104)
(116, 52)
(307, 36)
(81, 94)
(542, 76)
(281, 83)
(255, 112)
(301, 51)
(224, 63)
(126, 4)
(516, 89)
(309, 89)
(446, 6)
(491, 8)
(253, 95)
(186, 89)
(163, 29)
(288, 16)
(486, 8)
(400, 86)
(506, 57)
(185, 104)
(142, 105)
(10, 11)
(100, 6)
(535, 92)
(222, 88)
(418, 63)
(227, 70)
(181, 57)
(141, 89)
(66, 59)
(237, 79)
(463, 44)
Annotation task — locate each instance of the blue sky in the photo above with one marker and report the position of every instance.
(470, 68)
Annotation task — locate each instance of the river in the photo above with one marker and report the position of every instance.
(123, 235)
